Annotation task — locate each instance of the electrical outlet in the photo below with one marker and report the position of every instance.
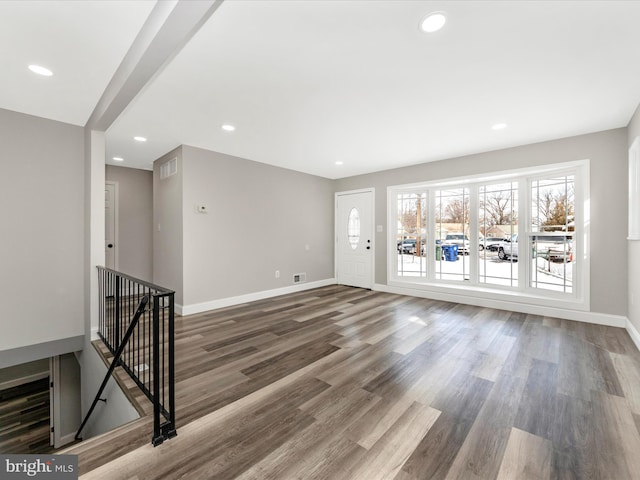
(277, 273)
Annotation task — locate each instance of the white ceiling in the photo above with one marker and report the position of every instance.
(82, 42)
(309, 83)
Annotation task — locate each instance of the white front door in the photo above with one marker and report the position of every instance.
(354, 238)
(110, 199)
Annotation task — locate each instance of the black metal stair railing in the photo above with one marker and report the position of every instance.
(140, 334)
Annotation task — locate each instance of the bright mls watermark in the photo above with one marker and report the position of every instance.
(52, 467)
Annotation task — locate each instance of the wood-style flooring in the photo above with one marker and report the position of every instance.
(343, 383)
(25, 418)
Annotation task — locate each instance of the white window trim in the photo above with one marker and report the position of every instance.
(523, 294)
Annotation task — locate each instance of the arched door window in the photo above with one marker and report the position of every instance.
(353, 228)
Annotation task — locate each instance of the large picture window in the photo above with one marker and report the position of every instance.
(513, 232)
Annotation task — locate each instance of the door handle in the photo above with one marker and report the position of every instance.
(368, 247)
(110, 245)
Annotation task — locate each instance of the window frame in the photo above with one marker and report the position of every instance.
(578, 299)
(578, 213)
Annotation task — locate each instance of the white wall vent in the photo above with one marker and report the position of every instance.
(169, 168)
(299, 277)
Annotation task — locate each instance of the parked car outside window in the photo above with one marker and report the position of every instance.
(408, 245)
(459, 239)
(508, 248)
(492, 243)
(555, 248)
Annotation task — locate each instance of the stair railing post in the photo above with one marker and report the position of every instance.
(117, 310)
(172, 372)
(157, 436)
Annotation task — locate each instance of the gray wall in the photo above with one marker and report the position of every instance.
(260, 220)
(42, 239)
(167, 227)
(634, 246)
(607, 152)
(135, 220)
(116, 411)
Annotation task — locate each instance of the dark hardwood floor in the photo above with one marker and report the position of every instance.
(25, 419)
(343, 383)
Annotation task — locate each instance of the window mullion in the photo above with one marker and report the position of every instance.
(431, 235)
(524, 228)
(473, 234)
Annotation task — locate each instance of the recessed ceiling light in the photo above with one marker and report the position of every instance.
(227, 127)
(339, 163)
(433, 22)
(499, 126)
(118, 159)
(140, 139)
(40, 70)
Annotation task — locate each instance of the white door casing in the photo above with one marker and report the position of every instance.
(64, 396)
(355, 238)
(111, 225)
(53, 382)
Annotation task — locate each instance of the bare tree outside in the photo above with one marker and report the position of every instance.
(498, 208)
(412, 217)
(408, 219)
(457, 210)
(554, 203)
(561, 212)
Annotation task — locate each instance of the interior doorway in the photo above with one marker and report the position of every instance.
(111, 225)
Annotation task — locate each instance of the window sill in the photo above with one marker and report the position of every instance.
(507, 298)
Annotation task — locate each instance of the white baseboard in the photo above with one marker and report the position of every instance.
(633, 333)
(185, 310)
(580, 316)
